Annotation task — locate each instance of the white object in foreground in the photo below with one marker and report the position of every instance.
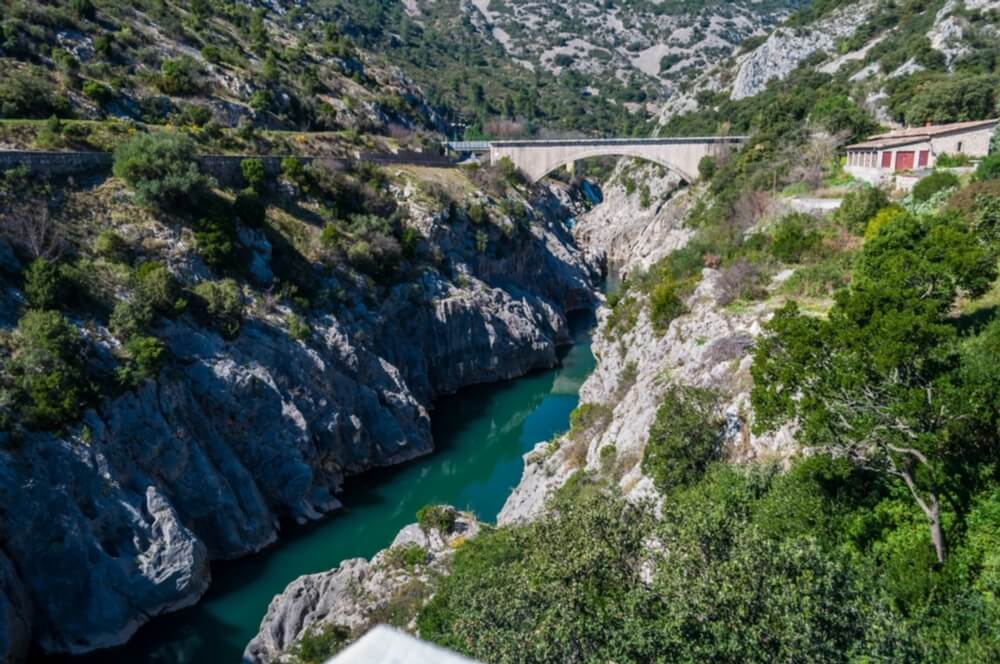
(385, 645)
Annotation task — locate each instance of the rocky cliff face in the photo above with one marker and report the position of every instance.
(114, 521)
(706, 347)
(630, 235)
(358, 593)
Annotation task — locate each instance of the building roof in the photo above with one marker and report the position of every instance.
(917, 134)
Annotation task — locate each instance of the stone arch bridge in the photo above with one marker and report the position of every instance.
(539, 158)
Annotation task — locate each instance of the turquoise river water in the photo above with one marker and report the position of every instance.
(480, 435)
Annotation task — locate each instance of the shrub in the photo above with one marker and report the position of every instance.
(27, 93)
(706, 167)
(666, 304)
(131, 318)
(47, 369)
(249, 207)
(858, 207)
(110, 245)
(178, 76)
(741, 280)
(319, 643)
(293, 170)
(932, 184)
(214, 239)
(97, 91)
(44, 284)
(953, 160)
(988, 168)
(162, 168)
(143, 362)
(436, 517)
(222, 304)
(406, 556)
(792, 237)
(508, 171)
(685, 437)
(477, 214)
(298, 328)
(884, 217)
(253, 174)
(154, 284)
(361, 257)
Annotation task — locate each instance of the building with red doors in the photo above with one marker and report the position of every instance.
(879, 158)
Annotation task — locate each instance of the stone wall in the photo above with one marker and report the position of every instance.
(224, 168)
(56, 163)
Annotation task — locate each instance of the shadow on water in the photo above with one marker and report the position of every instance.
(480, 435)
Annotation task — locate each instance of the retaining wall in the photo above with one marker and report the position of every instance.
(224, 168)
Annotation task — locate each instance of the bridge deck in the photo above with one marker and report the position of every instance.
(674, 140)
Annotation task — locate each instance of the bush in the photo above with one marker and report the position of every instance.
(98, 92)
(436, 517)
(214, 239)
(320, 643)
(707, 166)
(249, 207)
(932, 184)
(44, 284)
(162, 168)
(111, 246)
(406, 556)
(858, 207)
(988, 168)
(741, 280)
(178, 76)
(253, 174)
(131, 318)
(884, 217)
(946, 160)
(361, 257)
(144, 359)
(47, 370)
(666, 304)
(222, 305)
(792, 237)
(684, 438)
(154, 284)
(298, 328)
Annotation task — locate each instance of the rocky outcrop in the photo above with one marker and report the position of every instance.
(628, 234)
(708, 346)
(786, 47)
(356, 593)
(114, 521)
(15, 614)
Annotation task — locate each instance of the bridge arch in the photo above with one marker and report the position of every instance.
(680, 155)
(589, 154)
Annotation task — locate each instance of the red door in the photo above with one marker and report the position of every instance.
(924, 155)
(886, 160)
(904, 160)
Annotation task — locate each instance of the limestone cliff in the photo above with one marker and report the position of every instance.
(114, 520)
(706, 347)
(360, 593)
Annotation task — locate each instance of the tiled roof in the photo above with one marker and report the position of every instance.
(917, 134)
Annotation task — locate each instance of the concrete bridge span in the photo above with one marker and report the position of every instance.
(681, 155)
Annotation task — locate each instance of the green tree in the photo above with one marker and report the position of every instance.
(685, 437)
(877, 380)
(161, 167)
(144, 357)
(47, 368)
(44, 284)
